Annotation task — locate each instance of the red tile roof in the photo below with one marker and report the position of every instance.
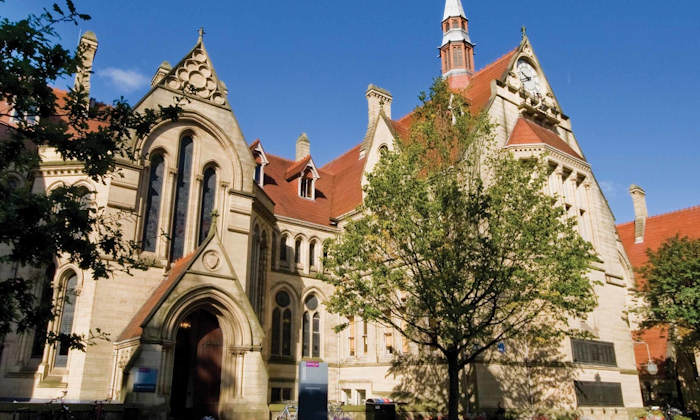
(528, 132)
(339, 190)
(658, 228)
(296, 168)
(347, 171)
(285, 193)
(684, 222)
(133, 329)
(478, 92)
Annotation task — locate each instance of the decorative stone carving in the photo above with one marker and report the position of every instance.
(197, 72)
(211, 260)
(514, 82)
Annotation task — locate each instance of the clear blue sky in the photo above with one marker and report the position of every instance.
(626, 72)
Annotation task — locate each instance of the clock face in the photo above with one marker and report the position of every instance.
(529, 78)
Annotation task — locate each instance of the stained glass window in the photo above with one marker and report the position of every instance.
(155, 191)
(182, 196)
(67, 315)
(207, 206)
(44, 305)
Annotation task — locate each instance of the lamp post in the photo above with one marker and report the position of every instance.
(652, 369)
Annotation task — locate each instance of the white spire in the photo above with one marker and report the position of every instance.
(453, 8)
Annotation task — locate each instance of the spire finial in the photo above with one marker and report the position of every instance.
(201, 33)
(523, 32)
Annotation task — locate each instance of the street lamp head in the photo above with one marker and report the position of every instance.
(652, 368)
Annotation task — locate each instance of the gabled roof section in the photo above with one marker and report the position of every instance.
(134, 329)
(299, 167)
(658, 229)
(347, 171)
(478, 92)
(258, 152)
(528, 132)
(196, 70)
(285, 192)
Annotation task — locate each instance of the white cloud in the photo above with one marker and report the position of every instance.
(609, 188)
(127, 80)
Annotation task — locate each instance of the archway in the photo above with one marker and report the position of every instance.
(197, 369)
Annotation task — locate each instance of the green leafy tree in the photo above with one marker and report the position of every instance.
(671, 291)
(37, 227)
(457, 246)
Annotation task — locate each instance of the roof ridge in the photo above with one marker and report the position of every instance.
(347, 152)
(672, 212)
(494, 62)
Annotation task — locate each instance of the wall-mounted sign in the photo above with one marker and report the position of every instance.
(145, 380)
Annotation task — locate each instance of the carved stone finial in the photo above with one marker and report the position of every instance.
(523, 32)
(201, 33)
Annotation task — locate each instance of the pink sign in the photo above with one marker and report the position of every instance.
(312, 364)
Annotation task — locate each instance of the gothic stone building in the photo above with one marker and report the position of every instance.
(228, 307)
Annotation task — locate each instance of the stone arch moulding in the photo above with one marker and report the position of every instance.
(232, 319)
(62, 273)
(198, 121)
(236, 331)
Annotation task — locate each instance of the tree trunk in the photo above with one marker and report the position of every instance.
(453, 393)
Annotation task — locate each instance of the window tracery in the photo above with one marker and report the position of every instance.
(153, 199)
(311, 328)
(281, 340)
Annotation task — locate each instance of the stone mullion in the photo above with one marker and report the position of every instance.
(167, 214)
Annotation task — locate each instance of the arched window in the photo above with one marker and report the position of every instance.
(207, 204)
(155, 191)
(281, 342)
(312, 254)
(67, 314)
(258, 271)
(283, 248)
(311, 328)
(182, 198)
(383, 149)
(297, 251)
(44, 308)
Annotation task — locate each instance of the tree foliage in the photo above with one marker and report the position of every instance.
(457, 246)
(36, 226)
(671, 289)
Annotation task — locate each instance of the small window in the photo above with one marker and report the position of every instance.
(283, 248)
(593, 352)
(312, 254)
(307, 186)
(598, 394)
(280, 394)
(297, 251)
(258, 174)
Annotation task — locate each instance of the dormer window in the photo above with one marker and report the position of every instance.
(306, 184)
(260, 162)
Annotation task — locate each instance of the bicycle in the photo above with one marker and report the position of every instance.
(335, 411)
(286, 414)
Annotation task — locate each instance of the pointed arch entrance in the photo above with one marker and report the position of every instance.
(196, 379)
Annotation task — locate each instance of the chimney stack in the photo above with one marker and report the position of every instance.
(640, 212)
(87, 47)
(303, 147)
(378, 99)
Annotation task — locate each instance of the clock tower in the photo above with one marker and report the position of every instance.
(456, 50)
